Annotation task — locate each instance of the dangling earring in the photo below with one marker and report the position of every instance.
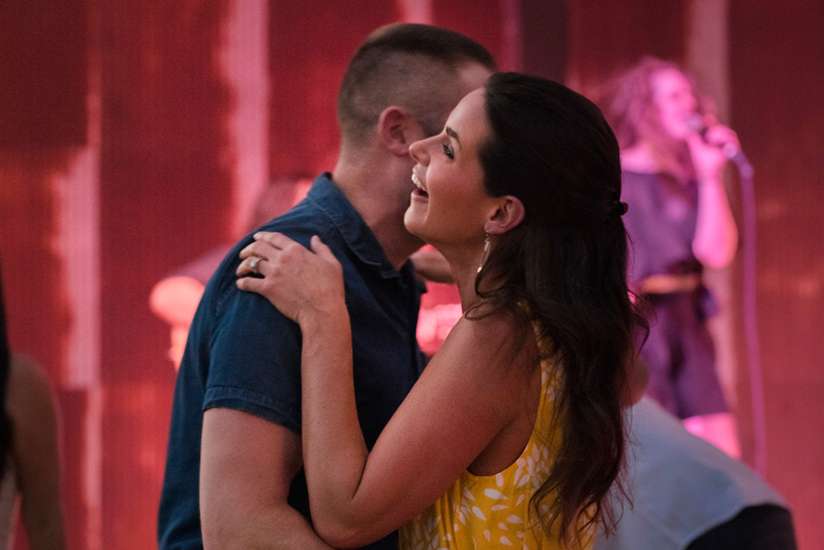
(485, 255)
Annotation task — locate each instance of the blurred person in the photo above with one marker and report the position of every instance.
(679, 222)
(233, 473)
(29, 455)
(174, 298)
(514, 433)
(688, 495)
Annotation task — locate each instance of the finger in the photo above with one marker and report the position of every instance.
(277, 240)
(721, 134)
(250, 266)
(725, 144)
(262, 249)
(246, 252)
(250, 284)
(245, 268)
(255, 249)
(320, 248)
(716, 126)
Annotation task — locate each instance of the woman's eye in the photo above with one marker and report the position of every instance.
(447, 150)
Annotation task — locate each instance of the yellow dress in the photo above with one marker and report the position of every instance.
(492, 511)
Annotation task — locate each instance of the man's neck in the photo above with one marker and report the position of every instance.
(464, 261)
(369, 188)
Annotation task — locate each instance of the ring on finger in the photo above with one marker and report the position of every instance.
(253, 264)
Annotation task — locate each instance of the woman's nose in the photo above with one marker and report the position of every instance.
(418, 152)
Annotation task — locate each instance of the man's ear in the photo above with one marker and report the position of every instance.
(397, 130)
(507, 216)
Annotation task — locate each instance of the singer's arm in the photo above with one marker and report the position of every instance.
(716, 235)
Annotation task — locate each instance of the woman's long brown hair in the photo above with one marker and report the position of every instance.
(563, 271)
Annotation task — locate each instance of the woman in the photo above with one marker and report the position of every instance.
(29, 465)
(672, 156)
(515, 429)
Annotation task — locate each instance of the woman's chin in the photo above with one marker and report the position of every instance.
(413, 223)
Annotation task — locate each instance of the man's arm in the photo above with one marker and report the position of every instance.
(247, 465)
(36, 456)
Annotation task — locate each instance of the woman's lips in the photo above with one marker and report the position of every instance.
(419, 189)
(419, 194)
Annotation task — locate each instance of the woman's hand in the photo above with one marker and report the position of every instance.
(303, 284)
(710, 152)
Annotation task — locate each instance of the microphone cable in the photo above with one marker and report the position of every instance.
(749, 308)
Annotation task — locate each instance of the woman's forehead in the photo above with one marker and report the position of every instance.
(668, 79)
(470, 109)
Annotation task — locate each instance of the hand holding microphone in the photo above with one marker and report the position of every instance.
(712, 143)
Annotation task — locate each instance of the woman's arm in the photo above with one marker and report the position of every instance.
(463, 399)
(716, 235)
(35, 452)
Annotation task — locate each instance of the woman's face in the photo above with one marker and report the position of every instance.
(450, 203)
(674, 101)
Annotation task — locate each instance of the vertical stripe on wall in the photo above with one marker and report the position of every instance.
(245, 65)
(415, 11)
(707, 58)
(79, 246)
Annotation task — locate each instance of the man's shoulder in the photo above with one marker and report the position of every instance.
(300, 223)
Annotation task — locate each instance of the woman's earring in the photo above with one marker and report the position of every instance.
(485, 255)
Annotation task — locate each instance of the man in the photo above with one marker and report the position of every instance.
(688, 495)
(234, 461)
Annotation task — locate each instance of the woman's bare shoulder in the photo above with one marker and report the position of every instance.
(496, 341)
(485, 328)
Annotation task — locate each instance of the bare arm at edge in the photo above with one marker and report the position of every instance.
(247, 466)
(36, 455)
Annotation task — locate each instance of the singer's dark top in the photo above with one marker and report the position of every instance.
(243, 354)
(678, 351)
(661, 224)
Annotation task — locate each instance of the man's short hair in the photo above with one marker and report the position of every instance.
(410, 65)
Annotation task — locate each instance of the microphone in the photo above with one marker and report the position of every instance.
(698, 124)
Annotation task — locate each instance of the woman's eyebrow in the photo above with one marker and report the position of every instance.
(453, 134)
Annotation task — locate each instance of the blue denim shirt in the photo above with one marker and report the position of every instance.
(243, 354)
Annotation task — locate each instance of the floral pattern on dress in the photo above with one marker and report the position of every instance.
(480, 512)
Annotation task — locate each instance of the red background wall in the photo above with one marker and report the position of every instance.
(139, 87)
(777, 59)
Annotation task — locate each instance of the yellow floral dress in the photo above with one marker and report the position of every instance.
(492, 511)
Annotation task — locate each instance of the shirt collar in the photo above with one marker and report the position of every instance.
(328, 197)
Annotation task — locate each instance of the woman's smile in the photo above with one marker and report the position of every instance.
(419, 192)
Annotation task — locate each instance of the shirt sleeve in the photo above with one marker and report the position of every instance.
(255, 360)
